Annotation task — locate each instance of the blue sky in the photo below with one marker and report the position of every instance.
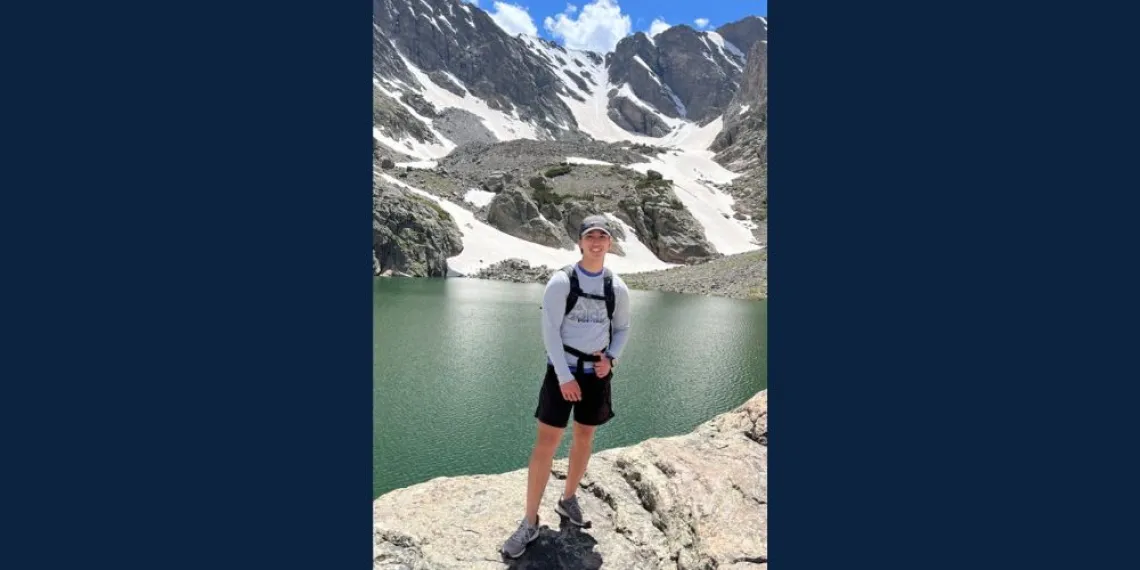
(598, 24)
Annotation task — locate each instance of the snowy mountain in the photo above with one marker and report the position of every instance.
(513, 138)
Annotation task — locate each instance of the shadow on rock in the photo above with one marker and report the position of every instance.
(567, 549)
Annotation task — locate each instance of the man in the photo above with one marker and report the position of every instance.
(583, 345)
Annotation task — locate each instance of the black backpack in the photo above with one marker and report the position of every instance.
(572, 299)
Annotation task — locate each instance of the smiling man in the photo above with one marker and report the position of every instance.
(585, 326)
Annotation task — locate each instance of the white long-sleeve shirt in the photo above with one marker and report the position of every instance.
(586, 328)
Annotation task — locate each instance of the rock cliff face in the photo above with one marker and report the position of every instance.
(697, 501)
(742, 145)
(449, 37)
(410, 234)
(746, 32)
(392, 119)
(681, 73)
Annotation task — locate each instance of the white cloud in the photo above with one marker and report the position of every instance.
(472, 2)
(570, 8)
(658, 26)
(701, 23)
(598, 26)
(513, 19)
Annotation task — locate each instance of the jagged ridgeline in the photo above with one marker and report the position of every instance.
(489, 148)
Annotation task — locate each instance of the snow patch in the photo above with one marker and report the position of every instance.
(743, 109)
(414, 147)
(478, 198)
(587, 161)
(419, 164)
(485, 245)
(723, 45)
(504, 127)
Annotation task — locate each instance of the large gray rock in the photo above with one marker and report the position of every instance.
(461, 127)
(515, 213)
(635, 118)
(411, 235)
(664, 225)
(462, 40)
(696, 501)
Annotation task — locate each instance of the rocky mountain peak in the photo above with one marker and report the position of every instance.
(463, 50)
(743, 33)
(682, 72)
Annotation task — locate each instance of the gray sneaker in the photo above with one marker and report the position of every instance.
(524, 535)
(569, 509)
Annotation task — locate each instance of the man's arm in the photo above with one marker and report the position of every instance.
(622, 318)
(553, 307)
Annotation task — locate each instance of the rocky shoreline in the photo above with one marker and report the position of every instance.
(741, 276)
(689, 502)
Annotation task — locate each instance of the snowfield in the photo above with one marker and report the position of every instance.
(485, 245)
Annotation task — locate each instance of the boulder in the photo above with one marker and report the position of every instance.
(411, 235)
(515, 213)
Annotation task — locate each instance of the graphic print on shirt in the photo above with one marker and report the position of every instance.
(589, 311)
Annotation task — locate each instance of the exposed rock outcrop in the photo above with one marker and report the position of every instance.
(394, 120)
(635, 118)
(515, 270)
(515, 213)
(664, 225)
(411, 235)
(696, 501)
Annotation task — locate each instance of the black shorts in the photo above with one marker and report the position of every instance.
(594, 409)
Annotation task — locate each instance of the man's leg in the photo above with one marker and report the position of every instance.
(541, 460)
(580, 450)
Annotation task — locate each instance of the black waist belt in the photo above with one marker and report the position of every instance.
(582, 357)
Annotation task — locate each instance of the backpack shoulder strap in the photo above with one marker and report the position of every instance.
(608, 292)
(575, 289)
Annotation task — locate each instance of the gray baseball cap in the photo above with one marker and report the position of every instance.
(600, 223)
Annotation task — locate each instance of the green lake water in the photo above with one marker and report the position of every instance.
(458, 364)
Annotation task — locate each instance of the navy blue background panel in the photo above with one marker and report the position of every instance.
(186, 220)
(952, 286)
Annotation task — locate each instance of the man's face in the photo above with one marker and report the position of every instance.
(595, 242)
